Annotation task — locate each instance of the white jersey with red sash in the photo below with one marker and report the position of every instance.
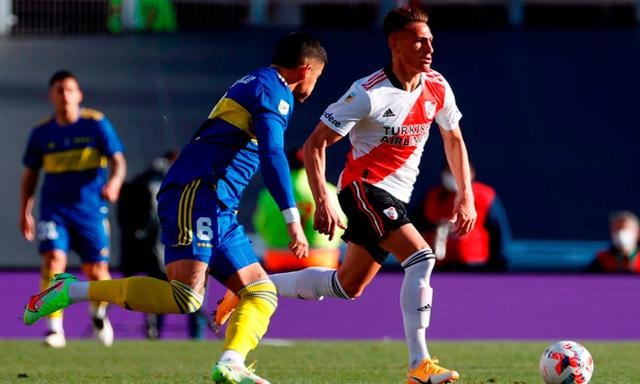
(389, 126)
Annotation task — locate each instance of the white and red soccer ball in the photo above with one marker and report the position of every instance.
(566, 362)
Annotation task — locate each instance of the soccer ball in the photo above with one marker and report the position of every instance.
(566, 362)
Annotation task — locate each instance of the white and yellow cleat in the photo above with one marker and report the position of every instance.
(429, 372)
(231, 373)
(55, 340)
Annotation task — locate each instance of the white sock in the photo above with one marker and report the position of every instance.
(79, 291)
(416, 297)
(54, 324)
(312, 283)
(98, 310)
(230, 356)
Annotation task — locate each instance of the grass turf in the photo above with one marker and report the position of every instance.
(335, 362)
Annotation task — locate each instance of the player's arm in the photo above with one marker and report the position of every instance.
(277, 178)
(327, 218)
(27, 200)
(112, 147)
(464, 211)
(118, 167)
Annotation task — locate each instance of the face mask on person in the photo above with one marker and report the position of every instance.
(626, 239)
(449, 182)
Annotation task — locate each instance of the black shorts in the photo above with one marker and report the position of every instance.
(371, 212)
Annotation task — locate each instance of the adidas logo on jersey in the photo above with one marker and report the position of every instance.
(388, 113)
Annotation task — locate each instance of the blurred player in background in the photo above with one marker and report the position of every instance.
(387, 116)
(74, 148)
(277, 258)
(197, 206)
(622, 255)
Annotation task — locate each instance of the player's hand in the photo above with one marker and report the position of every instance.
(464, 215)
(299, 245)
(327, 220)
(111, 191)
(28, 226)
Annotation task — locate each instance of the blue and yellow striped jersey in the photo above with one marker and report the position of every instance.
(74, 159)
(244, 131)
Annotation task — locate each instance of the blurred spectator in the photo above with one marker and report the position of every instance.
(141, 15)
(141, 248)
(481, 249)
(621, 256)
(269, 224)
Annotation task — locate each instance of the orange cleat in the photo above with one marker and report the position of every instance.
(429, 372)
(225, 308)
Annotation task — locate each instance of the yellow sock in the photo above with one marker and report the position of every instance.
(250, 320)
(45, 279)
(146, 294)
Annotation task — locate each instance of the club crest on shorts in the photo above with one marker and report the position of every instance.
(391, 213)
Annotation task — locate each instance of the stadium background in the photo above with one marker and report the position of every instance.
(549, 93)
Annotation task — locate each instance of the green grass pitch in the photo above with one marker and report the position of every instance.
(334, 362)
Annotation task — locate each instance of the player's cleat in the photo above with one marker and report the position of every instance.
(429, 372)
(226, 306)
(103, 330)
(55, 340)
(53, 298)
(230, 373)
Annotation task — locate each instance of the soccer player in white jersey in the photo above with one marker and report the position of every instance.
(387, 116)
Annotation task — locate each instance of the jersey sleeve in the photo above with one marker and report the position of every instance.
(270, 119)
(345, 113)
(449, 115)
(110, 143)
(33, 154)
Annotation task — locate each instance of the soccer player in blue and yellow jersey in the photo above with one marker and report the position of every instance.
(197, 206)
(73, 148)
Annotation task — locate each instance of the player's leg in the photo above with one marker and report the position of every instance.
(53, 262)
(53, 238)
(314, 283)
(236, 266)
(100, 322)
(138, 293)
(90, 239)
(416, 295)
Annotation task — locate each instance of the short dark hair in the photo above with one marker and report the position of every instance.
(293, 48)
(623, 216)
(61, 75)
(399, 18)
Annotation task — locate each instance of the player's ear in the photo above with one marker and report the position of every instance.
(305, 71)
(81, 97)
(392, 41)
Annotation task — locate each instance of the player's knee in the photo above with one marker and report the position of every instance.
(187, 299)
(54, 260)
(353, 289)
